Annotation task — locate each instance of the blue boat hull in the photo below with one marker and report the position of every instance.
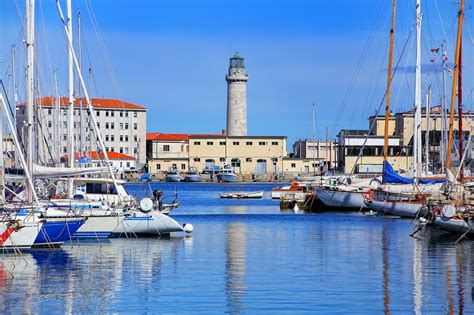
(56, 232)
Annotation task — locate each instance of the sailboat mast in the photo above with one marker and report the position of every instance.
(81, 108)
(453, 91)
(30, 68)
(389, 81)
(461, 138)
(417, 115)
(428, 127)
(71, 96)
(314, 142)
(443, 112)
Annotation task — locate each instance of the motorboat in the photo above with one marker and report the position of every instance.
(173, 175)
(242, 195)
(226, 175)
(277, 191)
(193, 176)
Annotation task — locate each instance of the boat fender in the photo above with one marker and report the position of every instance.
(188, 228)
(146, 205)
(448, 211)
(369, 195)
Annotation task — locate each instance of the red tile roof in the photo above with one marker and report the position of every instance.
(105, 103)
(160, 136)
(94, 155)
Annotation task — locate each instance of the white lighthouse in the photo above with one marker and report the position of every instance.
(236, 97)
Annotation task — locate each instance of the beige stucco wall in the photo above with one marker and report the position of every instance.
(165, 164)
(379, 128)
(399, 163)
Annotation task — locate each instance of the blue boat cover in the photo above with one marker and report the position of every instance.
(389, 176)
(145, 176)
(84, 159)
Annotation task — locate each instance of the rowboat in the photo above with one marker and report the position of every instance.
(242, 195)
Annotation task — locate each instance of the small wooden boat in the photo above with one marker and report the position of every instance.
(277, 191)
(242, 195)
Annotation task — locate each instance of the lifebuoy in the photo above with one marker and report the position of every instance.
(369, 195)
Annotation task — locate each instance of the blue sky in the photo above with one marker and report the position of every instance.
(171, 56)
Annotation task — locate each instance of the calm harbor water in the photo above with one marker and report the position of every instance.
(247, 256)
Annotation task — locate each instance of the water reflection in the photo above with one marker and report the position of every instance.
(83, 278)
(235, 287)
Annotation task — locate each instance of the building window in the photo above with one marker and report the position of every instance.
(262, 143)
(174, 166)
(235, 143)
(126, 125)
(135, 138)
(121, 126)
(134, 150)
(222, 159)
(121, 138)
(249, 143)
(197, 160)
(197, 143)
(210, 143)
(166, 148)
(135, 126)
(126, 150)
(106, 113)
(98, 124)
(50, 124)
(235, 163)
(135, 114)
(274, 143)
(106, 137)
(183, 166)
(121, 114)
(112, 149)
(106, 125)
(158, 167)
(126, 114)
(97, 113)
(248, 160)
(293, 165)
(128, 164)
(112, 138)
(49, 111)
(126, 138)
(121, 150)
(222, 143)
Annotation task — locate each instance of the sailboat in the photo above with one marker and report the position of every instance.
(402, 196)
(454, 213)
(123, 213)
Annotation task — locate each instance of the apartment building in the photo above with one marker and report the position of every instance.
(121, 124)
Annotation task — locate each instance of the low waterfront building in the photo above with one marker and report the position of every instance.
(248, 155)
(121, 124)
(326, 152)
(361, 151)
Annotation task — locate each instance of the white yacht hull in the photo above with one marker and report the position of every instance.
(152, 223)
(341, 199)
(22, 237)
(99, 226)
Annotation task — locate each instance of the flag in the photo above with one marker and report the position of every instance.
(434, 50)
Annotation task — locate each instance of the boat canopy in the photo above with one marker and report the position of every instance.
(389, 176)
